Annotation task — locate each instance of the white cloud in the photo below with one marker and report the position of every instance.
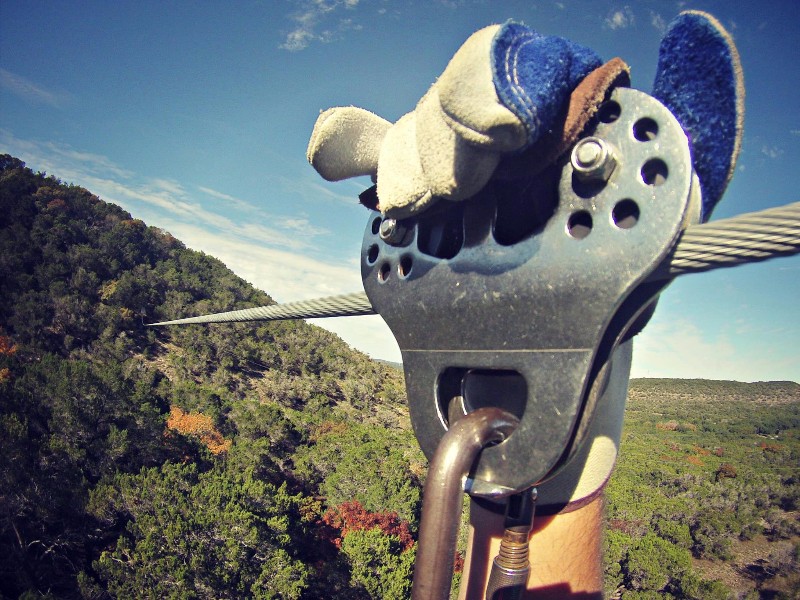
(294, 224)
(30, 91)
(679, 348)
(771, 151)
(59, 159)
(657, 21)
(298, 39)
(171, 198)
(368, 334)
(315, 21)
(620, 19)
(231, 200)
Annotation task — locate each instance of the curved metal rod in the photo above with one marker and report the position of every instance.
(441, 498)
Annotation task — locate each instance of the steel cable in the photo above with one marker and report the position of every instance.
(746, 238)
(346, 305)
(751, 237)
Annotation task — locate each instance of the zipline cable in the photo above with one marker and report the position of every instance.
(751, 237)
(346, 305)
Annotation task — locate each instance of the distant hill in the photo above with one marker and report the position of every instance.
(389, 363)
(772, 392)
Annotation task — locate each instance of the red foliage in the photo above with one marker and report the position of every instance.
(352, 516)
(458, 564)
(7, 348)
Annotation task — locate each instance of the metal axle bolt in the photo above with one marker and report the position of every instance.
(593, 159)
(392, 232)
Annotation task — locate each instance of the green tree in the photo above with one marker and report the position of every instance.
(368, 464)
(379, 563)
(204, 535)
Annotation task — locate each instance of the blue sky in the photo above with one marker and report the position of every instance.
(195, 116)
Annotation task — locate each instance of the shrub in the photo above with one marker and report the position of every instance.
(726, 471)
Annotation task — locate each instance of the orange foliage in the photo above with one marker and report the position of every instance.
(352, 516)
(629, 526)
(56, 204)
(770, 447)
(7, 347)
(200, 426)
(133, 223)
(694, 460)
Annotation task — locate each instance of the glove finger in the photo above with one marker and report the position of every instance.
(346, 143)
(453, 168)
(402, 188)
(584, 101)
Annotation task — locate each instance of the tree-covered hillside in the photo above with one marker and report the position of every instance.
(197, 462)
(269, 460)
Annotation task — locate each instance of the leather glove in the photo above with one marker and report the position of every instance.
(504, 90)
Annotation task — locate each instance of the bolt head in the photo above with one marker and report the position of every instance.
(588, 153)
(391, 231)
(593, 159)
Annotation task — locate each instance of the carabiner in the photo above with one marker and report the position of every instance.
(441, 499)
